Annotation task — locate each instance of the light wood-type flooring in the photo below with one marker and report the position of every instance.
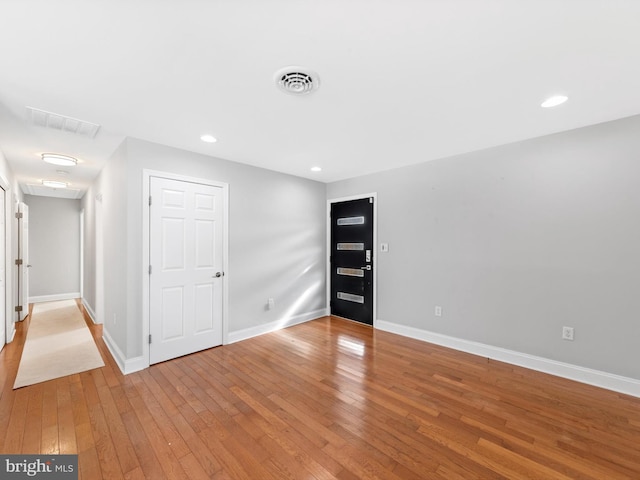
(328, 399)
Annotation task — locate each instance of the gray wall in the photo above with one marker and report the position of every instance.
(54, 246)
(517, 241)
(276, 238)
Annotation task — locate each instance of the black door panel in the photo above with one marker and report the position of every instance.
(352, 260)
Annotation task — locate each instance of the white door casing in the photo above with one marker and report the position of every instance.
(186, 275)
(3, 271)
(99, 254)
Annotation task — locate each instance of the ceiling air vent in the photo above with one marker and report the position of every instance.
(297, 80)
(55, 121)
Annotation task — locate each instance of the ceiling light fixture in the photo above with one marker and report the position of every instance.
(316, 169)
(208, 138)
(62, 160)
(54, 184)
(554, 101)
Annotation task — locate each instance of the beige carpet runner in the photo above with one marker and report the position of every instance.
(58, 343)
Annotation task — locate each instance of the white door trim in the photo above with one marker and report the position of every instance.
(146, 178)
(373, 195)
(99, 256)
(6, 333)
(9, 327)
(82, 254)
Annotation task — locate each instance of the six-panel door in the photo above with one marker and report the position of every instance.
(186, 260)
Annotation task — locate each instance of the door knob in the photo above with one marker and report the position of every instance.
(219, 274)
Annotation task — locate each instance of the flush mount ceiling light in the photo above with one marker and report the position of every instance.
(554, 101)
(297, 80)
(62, 160)
(316, 169)
(54, 184)
(208, 138)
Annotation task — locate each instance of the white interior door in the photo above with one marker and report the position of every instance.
(185, 288)
(24, 256)
(3, 279)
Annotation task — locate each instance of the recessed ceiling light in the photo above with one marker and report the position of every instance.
(316, 169)
(54, 184)
(554, 101)
(208, 138)
(56, 159)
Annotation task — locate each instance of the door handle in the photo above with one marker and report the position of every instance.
(219, 274)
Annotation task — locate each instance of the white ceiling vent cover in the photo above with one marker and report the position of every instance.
(297, 80)
(55, 121)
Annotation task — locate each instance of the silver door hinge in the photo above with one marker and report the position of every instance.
(18, 261)
(18, 308)
(19, 215)
(149, 199)
(370, 199)
(149, 339)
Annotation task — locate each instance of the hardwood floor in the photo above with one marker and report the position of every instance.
(328, 399)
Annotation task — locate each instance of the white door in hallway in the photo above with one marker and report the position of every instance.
(3, 280)
(23, 209)
(185, 287)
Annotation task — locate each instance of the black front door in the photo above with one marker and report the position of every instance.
(352, 260)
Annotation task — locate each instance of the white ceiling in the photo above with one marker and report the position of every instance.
(401, 81)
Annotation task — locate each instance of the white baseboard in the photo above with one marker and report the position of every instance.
(90, 311)
(273, 326)
(130, 365)
(126, 365)
(617, 383)
(12, 333)
(54, 298)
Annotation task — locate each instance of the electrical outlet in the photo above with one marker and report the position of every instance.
(384, 247)
(271, 303)
(438, 311)
(567, 333)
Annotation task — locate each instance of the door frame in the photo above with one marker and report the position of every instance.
(8, 325)
(146, 227)
(330, 202)
(99, 259)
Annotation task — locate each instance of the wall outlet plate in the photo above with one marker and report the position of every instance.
(567, 333)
